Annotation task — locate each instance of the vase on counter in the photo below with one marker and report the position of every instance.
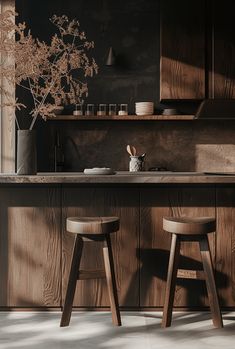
(26, 152)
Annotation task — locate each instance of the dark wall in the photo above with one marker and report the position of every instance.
(132, 28)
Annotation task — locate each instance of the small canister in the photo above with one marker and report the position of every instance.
(123, 109)
(90, 110)
(112, 109)
(78, 111)
(102, 110)
(136, 163)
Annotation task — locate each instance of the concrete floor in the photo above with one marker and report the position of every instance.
(94, 330)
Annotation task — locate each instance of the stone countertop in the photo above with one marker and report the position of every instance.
(120, 178)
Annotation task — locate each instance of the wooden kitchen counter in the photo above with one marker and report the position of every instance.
(119, 178)
(35, 249)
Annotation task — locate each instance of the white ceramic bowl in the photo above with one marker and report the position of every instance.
(144, 103)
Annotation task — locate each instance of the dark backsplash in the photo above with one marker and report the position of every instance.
(177, 145)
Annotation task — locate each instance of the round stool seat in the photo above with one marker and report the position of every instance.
(189, 225)
(92, 225)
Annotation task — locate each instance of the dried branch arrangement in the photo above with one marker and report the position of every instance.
(54, 73)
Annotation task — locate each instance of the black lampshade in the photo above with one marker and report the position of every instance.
(110, 57)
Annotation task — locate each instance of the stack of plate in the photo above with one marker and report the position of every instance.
(144, 108)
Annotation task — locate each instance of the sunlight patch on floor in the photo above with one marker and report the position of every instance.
(94, 330)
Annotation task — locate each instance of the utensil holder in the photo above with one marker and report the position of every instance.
(135, 164)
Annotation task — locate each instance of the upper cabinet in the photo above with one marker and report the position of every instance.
(182, 70)
(222, 74)
(197, 49)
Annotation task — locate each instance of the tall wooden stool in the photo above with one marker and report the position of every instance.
(92, 229)
(196, 230)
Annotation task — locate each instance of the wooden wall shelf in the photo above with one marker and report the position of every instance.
(123, 117)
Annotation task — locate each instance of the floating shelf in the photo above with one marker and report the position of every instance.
(123, 117)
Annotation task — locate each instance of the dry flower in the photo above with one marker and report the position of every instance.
(52, 72)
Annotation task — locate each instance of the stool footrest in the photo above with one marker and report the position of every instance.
(190, 274)
(91, 274)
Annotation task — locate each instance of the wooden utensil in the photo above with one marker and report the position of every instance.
(128, 148)
(131, 150)
(134, 150)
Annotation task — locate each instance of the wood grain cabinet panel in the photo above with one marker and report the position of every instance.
(155, 243)
(182, 64)
(225, 246)
(223, 45)
(30, 247)
(123, 203)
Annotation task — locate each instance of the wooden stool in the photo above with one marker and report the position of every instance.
(196, 230)
(92, 229)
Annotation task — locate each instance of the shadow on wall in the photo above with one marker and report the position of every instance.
(154, 264)
(32, 247)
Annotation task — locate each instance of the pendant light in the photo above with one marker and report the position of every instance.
(111, 59)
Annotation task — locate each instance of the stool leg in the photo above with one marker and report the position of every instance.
(111, 282)
(210, 282)
(171, 281)
(74, 269)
